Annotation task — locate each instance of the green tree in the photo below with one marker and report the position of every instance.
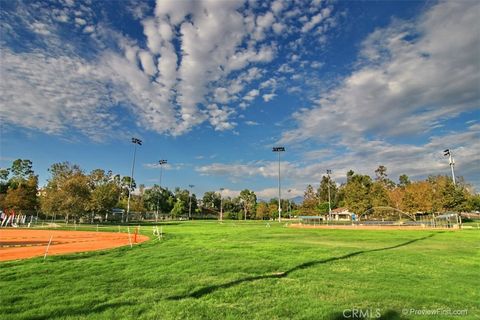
(310, 201)
(4, 173)
(357, 193)
(322, 192)
(179, 208)
(211, 200)
(105, 192)
(67, 192)
(21, 169)
(403, 180)
(248, 199)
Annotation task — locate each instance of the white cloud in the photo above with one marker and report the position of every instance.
(219, 118)
(89, 29)
(270, 193)
(168, 89)
(413, 76)
(251, 123)
(277, 7)
(363, 156)
(251, 95)
(80, 22)
(268, 97)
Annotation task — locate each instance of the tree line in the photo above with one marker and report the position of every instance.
(362, 193)
(72, 193)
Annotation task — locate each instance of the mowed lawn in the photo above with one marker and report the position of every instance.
(237, 270)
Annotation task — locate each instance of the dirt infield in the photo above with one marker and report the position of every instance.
(364, 227)
(22, 243)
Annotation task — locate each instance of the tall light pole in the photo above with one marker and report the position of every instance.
(289, 201)
(135, 141)
(279, 150)
(221, 204)
(160, 163)
(451, 161)
(190, 205)
(329, 204)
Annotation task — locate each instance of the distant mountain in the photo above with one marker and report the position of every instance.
(297, 200)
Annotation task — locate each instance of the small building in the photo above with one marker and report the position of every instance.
(342, 214)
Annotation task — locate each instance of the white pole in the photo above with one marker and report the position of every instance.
(329, 205)
(452, 164)
(131, 180)
(190, 206)
(161, 163)
(48, 246)
(129, 238)
(279, 192)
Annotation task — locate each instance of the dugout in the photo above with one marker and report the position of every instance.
(311, 220)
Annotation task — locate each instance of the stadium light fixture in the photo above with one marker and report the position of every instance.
(160, 163)
(221, 204)
(135, 142)
(279, 150)
(451, 161)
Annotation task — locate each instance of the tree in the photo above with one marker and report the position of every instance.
(262, 211)
(310, 201)
(21, 169)
(105, 192)
(403, 181)
(382, 177)
(378, 194)
(381, 173)
(20, 191)
(248, 200)
(350, 174)
(179, 208)
(211, 200)
(4, 173)
(322, 192)
(23, 196)
(357, 193)
(67, 192)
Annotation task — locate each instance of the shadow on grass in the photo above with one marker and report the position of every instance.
(207, 290)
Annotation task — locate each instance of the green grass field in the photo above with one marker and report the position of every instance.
(207, 270)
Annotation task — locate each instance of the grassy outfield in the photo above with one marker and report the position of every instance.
(236, 270)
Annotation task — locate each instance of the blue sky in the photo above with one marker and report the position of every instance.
(211, 86)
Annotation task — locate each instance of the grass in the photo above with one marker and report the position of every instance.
(237, 270)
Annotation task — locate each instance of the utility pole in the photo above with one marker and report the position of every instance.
(279, 150)
(221, 204)
(190, 206)
(160, 163)
(329, 204)
(289, 202)
(135, 141)
(451, 161)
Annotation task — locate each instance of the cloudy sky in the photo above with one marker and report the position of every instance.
(212, 86)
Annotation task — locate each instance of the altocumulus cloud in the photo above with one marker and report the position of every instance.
(73, 70)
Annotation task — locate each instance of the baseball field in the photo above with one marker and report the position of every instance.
(251, 270)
